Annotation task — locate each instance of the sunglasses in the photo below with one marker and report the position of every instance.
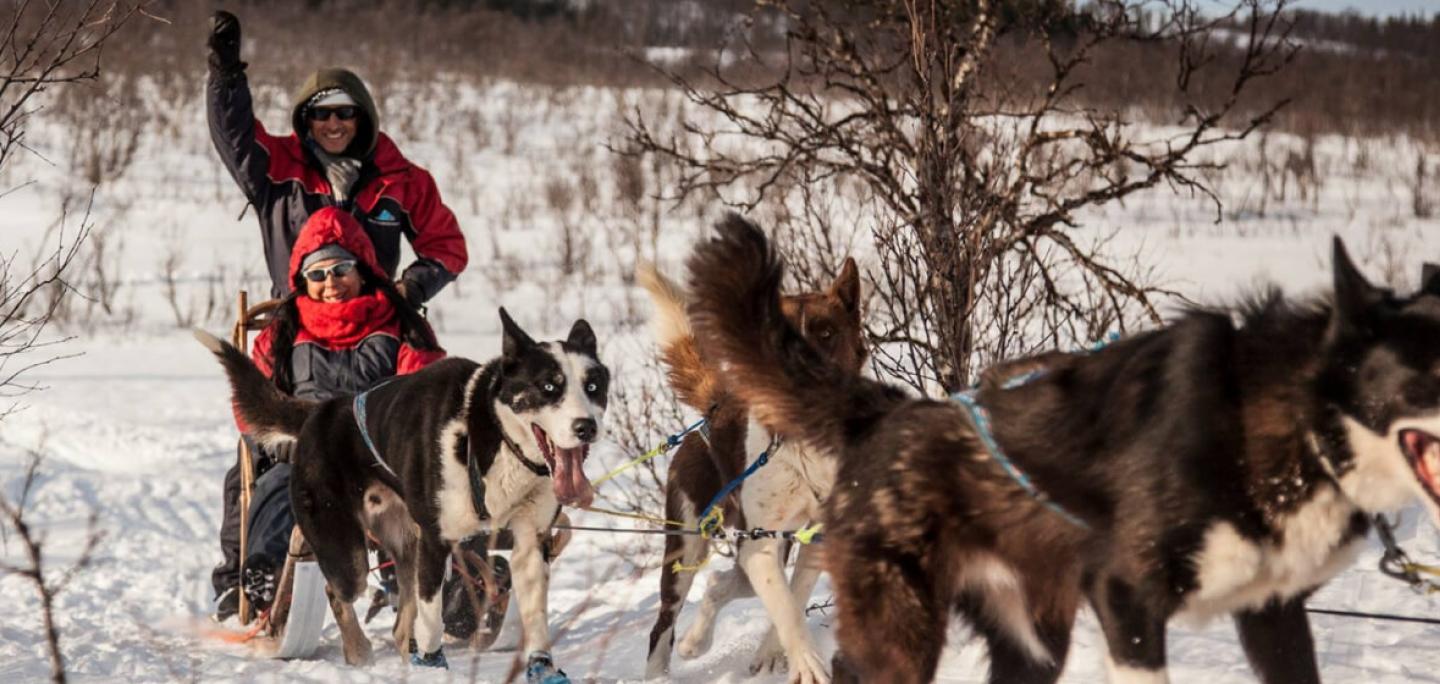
(340, 270)
(346, 113)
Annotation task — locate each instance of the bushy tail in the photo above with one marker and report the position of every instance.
(790, 388)
(695, 382)
(266, 413)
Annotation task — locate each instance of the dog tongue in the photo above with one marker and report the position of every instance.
(572, 488)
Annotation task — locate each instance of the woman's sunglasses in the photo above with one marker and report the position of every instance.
(346, 112)
(318, 275)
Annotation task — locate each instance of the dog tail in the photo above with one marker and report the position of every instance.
(789, 386)
(266, 413)
(694, 381)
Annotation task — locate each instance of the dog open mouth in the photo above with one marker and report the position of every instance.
(1423, 451)
(567, 469)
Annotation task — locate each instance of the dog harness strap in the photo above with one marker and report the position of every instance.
(477, 481)
(981, 419)
(363, 424)
(539, 469)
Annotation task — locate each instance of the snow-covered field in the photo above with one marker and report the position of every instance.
(137, 429)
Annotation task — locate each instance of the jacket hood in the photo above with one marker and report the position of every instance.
(367, 132)
(331, 225)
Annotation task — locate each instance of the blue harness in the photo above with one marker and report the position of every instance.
(981, 419)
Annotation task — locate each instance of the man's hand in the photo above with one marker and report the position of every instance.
(224, 43)
(409, 293)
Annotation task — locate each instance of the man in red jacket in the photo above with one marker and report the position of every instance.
(335, 156)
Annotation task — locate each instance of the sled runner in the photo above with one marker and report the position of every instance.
(248, 319)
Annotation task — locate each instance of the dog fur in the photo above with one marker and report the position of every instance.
(784, 494)
(1226, 463)
(540, 403)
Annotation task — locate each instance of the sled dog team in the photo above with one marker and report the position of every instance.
(1226, 463)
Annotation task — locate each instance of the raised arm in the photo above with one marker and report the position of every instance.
(241, 141)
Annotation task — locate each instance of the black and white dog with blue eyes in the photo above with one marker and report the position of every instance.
(426, 460)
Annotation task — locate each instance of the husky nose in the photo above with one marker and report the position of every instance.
(584, 429)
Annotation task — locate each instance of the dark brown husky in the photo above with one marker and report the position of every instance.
(1224, 464)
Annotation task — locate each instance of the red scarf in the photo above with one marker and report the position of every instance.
(341, 325)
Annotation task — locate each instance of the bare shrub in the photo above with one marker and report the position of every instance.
(104, 127)
(980, 176)
(1422, 188)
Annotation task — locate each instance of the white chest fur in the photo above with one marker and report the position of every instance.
(510, 489)
(789, 490)
(1237, 573)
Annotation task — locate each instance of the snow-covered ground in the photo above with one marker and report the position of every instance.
(137, 430)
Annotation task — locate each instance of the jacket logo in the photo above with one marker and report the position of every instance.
(386, 216)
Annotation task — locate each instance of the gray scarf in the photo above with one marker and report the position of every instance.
(342, 172)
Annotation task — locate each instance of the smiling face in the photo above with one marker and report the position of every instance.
(553, 397)
(340, 283)
(333, 133)
(1384, 381)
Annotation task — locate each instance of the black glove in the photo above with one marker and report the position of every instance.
(224, 43)
(412, 293)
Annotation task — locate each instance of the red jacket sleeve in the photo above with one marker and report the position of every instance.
(438, 243)
(411, 359)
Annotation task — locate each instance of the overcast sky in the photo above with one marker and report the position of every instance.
(1380, 7)
(1370, 7)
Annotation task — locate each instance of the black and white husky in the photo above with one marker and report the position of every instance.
(1224, 464)
(426, 460)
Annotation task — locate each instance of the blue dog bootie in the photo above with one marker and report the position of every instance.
(540, 669)
(436, 659)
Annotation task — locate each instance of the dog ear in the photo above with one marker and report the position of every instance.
(846, 287)
(1430, 279)
(1355, 297)
(514, 339)
(582, 337)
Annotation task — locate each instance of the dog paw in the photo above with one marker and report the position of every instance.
(808, 669)
(436, 659)
(770, 657)
(695, 642)
(540, 669)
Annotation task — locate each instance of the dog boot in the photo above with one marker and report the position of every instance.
(540, 669)
(436, 659)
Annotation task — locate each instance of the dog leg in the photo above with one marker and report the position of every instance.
(762, 562)
(531, 582)
(1278, 643)
(352, 637)
(1134, 633)
(674, 587)
(1012, 662)
(771, 655)
(432, 557)
(891, 624)
(406, 590)
(725, 586)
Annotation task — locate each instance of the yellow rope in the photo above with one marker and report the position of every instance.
(636, 516)
(632, 463)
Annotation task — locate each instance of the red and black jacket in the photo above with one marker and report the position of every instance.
(286, 184)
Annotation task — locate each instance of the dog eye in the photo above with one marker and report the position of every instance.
(549, 387)
(591, 388)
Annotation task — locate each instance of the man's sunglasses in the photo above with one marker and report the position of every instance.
(318, 275)
(346, 112)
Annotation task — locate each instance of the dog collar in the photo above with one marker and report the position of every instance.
(540, 469)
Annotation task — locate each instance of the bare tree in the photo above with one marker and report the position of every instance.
(42, 45)
(977, 171)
